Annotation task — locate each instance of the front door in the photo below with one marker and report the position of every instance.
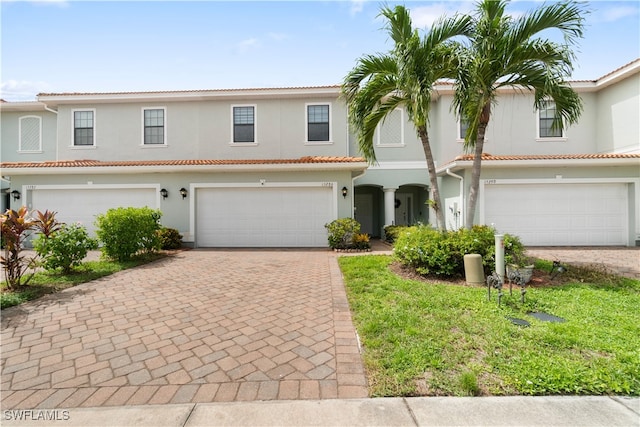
(403, 204)
(363, 212)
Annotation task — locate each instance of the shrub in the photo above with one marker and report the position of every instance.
(430, 251)
(170, 238)
(361, 241)
(125, 232)
(341, 232)
(391, 232)
(64, 248)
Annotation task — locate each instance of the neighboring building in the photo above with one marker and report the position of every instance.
(270, 167)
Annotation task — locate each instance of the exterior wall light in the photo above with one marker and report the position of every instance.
(164, 193)
(15, 194)
(183, 192)
(345, 191)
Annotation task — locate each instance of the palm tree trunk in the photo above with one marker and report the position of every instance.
(433, 178)
(474, 188)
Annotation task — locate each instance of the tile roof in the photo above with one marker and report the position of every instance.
(487, 156)
(198, 162)
(262, 89)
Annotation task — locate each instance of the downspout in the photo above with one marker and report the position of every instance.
(462, 216)
(51, 110)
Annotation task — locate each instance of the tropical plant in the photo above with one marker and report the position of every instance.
(65, 248)
(16, 227)
(170, 238)
(512, 52)
(404, 77)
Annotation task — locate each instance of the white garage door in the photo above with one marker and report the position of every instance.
(83, 205)
(264, 216)
(560, 214)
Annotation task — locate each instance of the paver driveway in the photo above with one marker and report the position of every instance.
(199, 326)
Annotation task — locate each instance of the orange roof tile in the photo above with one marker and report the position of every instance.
(198, 162)
(487, 156)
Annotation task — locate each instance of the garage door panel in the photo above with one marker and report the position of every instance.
(263, 216)
(83, 205)
(560, 214)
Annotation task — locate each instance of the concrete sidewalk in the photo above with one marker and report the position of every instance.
(418, 411)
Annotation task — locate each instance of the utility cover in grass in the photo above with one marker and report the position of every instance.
(519, 322)
(547, 317)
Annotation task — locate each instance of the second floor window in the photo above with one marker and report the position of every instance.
(83, 128)
(463, 125)
(244, 124)
(546, 116)
(318, 123)
(154, 126)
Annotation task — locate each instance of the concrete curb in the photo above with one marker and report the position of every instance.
(419, 411)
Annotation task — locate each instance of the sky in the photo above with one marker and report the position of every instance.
(55, 46)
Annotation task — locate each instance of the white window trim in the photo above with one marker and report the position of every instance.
(73, 130)
(255, 126)
(402, 122)
(549, 138)
(164, 123)
(306, 124)
(39, 150)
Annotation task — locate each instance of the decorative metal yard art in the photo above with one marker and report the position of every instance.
(514, 276)
(557, 269)
(494, 281)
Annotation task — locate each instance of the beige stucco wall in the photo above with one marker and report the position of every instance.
(618, 117)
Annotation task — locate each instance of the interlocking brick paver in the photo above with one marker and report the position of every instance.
(236, 325)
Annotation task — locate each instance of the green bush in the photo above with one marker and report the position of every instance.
(341, 232)
(64, 248)
(170, 238)
(430, 251)
(125, 232)
(361, 241)
(391, 232)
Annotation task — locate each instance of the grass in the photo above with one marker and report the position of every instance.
(445, 339)
(44, 282)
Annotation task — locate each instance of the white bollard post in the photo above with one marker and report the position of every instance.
(500, 255)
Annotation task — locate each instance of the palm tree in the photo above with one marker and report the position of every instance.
(508, 52)
(404, 77)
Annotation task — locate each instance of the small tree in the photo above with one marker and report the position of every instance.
(125, 232)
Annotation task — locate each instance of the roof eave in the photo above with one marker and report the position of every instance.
(197, 95)
(468, 164)
(107, 170)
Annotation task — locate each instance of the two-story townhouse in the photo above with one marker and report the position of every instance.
(269, 167)
(575, 186)
(252, 167)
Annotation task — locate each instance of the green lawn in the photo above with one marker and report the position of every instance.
(45, 282)
(444, 339)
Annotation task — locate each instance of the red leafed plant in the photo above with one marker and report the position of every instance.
(16, 227)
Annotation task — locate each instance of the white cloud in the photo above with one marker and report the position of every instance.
(248, 44)
(357, 6)
(425, 16)
(278, 36)
(614, 13)
(23, 90)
